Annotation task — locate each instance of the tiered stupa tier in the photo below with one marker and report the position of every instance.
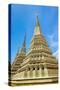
(21, 54)
(39, 61)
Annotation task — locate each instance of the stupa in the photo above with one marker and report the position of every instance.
(38, 65)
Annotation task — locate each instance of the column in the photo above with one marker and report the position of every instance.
(39, 57)
(40, 71)
(28, 73)
(25, 73)
(31, 72)
(22, 74)
(34, 72)
(45, 71)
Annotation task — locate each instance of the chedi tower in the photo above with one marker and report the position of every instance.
(39, 65)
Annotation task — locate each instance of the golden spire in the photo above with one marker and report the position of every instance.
(23, 49)
(37, 27)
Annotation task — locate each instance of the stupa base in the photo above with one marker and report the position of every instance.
(34, 81)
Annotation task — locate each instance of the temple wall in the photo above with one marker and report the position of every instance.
(41, 72)
(53, 72)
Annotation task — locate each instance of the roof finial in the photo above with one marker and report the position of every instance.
(23, 49)
(37, 27)
(17, 52)
(37, 21)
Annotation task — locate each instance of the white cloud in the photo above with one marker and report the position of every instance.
(52, 42)
(56, 54)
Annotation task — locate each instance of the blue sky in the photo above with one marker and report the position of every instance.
(23, 19)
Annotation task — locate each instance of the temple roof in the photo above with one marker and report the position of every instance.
(37, 29)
